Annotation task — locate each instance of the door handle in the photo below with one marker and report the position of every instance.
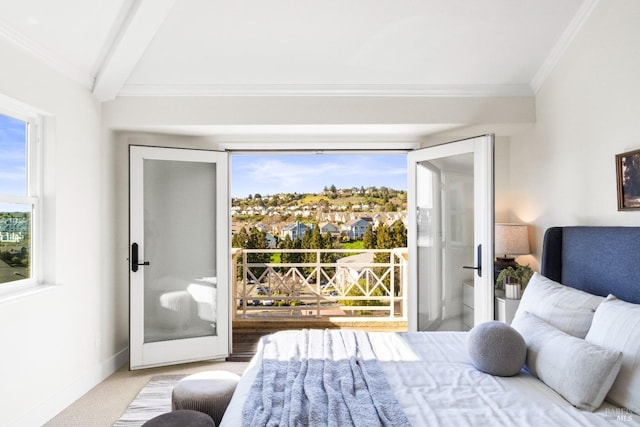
(479, 267)
(134, 258)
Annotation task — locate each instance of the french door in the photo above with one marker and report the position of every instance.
(179, 256)
(450, 239)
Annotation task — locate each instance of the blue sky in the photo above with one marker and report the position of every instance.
(12, 156)
(309, 173)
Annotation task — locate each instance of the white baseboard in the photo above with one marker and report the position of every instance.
(44, 411)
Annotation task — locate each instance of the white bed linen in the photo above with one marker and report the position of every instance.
(436, 385)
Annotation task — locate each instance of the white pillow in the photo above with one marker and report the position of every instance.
(563, 307)
(616, 326)
(578, 370)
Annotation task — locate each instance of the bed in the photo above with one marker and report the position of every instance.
(429, 378)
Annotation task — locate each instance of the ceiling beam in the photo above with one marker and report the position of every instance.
(137, 29)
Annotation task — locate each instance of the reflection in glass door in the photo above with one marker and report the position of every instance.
(452, 198)
(180, 286)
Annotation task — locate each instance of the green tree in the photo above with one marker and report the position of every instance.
(297, 257)
(327, 241)
(399, 234)
(312, 239)
(316, 238)
(306, 239)
(290, 257)
(254, 239)
(239, 239)
(286, 243)
(258, 240)
(398, 237)
(384, 240)
(369, 238)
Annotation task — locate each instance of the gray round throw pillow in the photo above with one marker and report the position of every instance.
(496, 348)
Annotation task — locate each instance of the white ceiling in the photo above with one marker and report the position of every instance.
(315, 47)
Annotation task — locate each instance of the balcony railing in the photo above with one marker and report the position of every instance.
(292, 283)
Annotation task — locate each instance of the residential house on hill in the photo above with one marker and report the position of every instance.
(327, 227)
(297, 229)
(355, 229)
(389, 218)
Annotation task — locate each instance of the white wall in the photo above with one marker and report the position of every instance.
(53, 343)
(563, 169)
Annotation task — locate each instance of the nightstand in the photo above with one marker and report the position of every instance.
(467, 305)
(505, 308)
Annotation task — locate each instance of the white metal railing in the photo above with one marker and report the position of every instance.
(338, 282)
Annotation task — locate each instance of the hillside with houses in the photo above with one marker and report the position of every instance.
(344, 214)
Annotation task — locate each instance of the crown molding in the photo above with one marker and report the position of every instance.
(54, 61)
(563, 43)
(390, 90)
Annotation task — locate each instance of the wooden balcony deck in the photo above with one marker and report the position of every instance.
(247, 333)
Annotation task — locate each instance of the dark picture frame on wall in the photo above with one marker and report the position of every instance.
(628, 173)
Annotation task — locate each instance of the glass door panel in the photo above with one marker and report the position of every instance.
(180, 284)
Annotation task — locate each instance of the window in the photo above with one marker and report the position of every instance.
(19, 198)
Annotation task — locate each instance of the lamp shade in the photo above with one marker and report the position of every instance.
(512, 239)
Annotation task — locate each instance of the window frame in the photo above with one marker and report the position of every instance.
(34, 177)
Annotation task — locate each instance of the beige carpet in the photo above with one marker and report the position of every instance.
(103, 405)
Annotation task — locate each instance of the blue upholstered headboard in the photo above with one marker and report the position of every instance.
(598, 260)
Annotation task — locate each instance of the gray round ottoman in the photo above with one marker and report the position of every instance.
(182, 418)
(208, 392)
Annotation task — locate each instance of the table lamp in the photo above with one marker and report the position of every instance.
(510, 240)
